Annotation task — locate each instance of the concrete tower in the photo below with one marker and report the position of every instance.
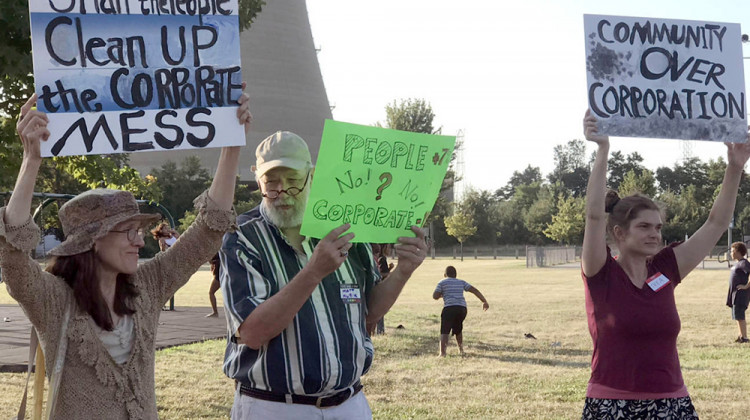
(280, 65)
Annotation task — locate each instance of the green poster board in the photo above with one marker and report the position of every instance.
(381, 181)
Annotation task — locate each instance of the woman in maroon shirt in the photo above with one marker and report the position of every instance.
(632, 317)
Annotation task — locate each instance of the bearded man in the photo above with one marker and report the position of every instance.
(297, 306)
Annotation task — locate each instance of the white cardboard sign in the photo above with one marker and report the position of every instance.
(118, 76)
(664, 78)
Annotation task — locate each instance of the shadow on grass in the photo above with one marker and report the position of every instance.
(529, 355)
(409, 343)
(569, 352)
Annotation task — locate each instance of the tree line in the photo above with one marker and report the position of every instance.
(545, 210)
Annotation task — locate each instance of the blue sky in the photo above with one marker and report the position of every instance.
(510, 75)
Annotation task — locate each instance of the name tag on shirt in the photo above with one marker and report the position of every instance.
(350, 293)
(657, 282)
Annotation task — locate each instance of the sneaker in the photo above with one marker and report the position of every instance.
(744, 340)
(738, 339)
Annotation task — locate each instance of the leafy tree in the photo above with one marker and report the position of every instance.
(527, 194)
(108, 171)
(576, 181)
(568, 224)
(643, 183)
(571, 168)
(253, 201)
(512, 216)
(185, 221)
(529, 176)
(249, 10)
(245, 200)
(478, 204)
(10, 153)
(414, 115)
(509, 218)
(461, 226)
(539, 214)
(715, 171)
(522, 218)
(619, 166)
(15, 56)
(742, 208)
(442, 208)
(690, 171)
(182, 184)
(570, 156)
(685, 213)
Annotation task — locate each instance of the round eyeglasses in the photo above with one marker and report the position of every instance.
(132, 233)
(291, 191)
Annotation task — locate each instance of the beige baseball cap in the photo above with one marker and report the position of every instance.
(281, 149)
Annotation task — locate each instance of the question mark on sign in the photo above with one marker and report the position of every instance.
(387, 178)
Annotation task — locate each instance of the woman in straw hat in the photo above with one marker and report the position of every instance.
(95, 309)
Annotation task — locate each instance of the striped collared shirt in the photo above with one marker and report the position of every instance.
(453, 291)
(326, 347)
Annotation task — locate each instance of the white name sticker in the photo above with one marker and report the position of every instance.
(657, 282)
(350, 293)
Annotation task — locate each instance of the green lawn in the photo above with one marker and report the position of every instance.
(503, 376)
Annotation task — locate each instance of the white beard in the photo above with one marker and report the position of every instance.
(289, 219)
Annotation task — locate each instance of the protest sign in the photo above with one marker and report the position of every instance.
(120, 76)
(664, 78)
(381, 181)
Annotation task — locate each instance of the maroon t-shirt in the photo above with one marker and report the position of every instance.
(634, 332)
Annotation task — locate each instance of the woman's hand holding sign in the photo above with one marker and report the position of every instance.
(737, 153)
(32, 128)
(243, 112)
(591, 131)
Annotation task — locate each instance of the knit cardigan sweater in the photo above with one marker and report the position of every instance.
(93, 386)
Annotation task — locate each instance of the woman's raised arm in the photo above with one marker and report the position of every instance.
(594, 253)
(32, 128)
(222, 187)
(692, 252)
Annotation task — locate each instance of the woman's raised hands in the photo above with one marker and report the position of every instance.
(32, 128)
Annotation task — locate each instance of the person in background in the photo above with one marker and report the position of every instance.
(165, 235)
(630, 303)
(380, 251)
(452, 289)
(737, 297)
(95, 290)
(215, 267)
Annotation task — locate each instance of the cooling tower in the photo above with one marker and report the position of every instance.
(285, 85)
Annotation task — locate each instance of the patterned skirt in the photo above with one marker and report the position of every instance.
(668, 408)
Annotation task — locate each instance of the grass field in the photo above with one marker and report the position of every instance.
(503, 376)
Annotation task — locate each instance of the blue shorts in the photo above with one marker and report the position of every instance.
(738, 312)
